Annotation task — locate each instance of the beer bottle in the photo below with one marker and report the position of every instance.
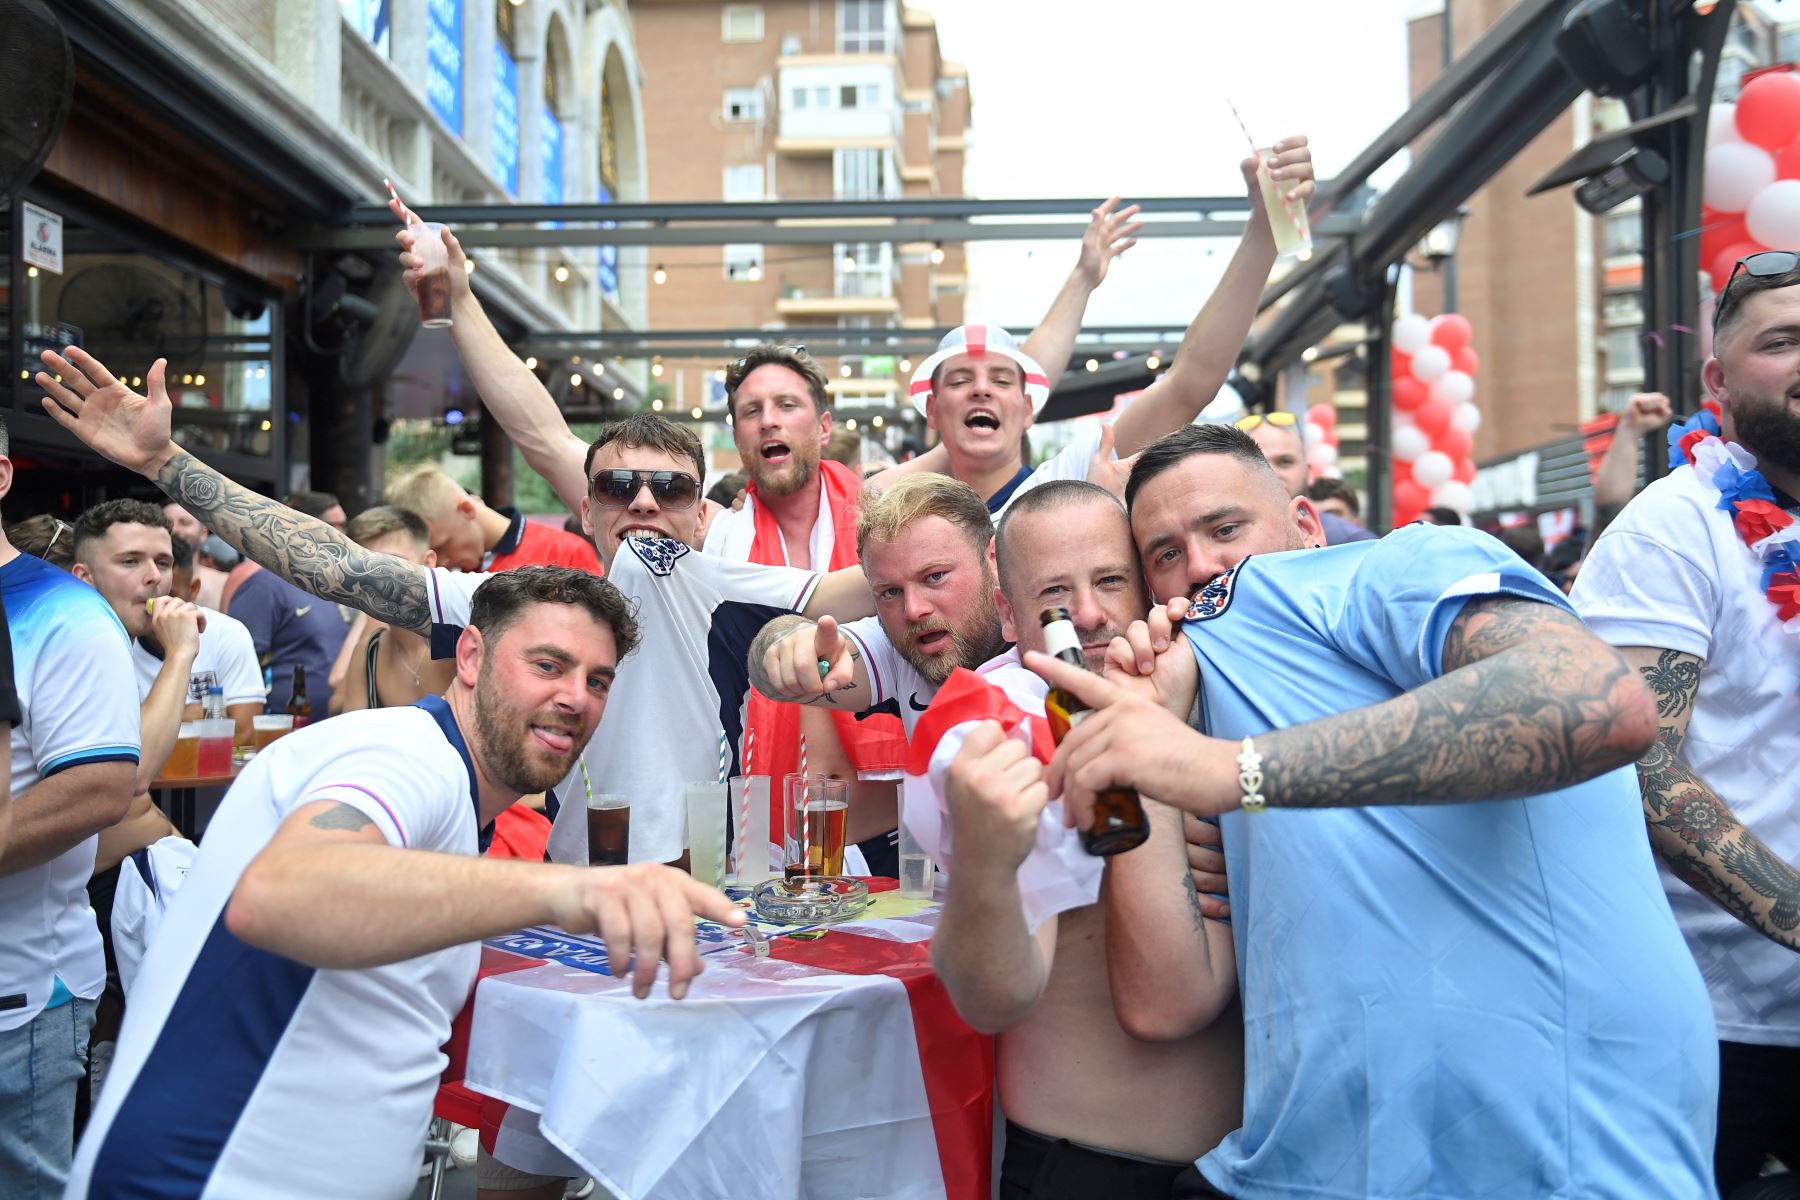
(299, 707)
(1119, 821)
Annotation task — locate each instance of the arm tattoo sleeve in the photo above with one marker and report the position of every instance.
(1529, 701)
(341, 816)
(302, 550)
(1695, 832)
(773, 634)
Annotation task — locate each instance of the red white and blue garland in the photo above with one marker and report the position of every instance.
(1765, 527)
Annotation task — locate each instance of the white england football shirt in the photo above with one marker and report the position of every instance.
(895, 685)
(1071, 462)
(72, 669)
(226, 659)
(229, 1053)
(1672, 572)
(686, 682)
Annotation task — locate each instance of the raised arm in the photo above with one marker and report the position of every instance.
(1691, 828)
(1528, 701)
(510, 391)
(992, 965)
(1615, 479)
(133, 431)
(308, 895)
(1109, 234)
(177, 627)
(1213, 341)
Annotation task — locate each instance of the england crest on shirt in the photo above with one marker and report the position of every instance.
(1215, 597)
(659, 554)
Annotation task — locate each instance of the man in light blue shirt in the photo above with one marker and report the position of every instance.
(1459, 976)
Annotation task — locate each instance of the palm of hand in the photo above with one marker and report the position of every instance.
(124, 426)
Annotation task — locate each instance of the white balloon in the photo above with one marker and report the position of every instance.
(1455, 387)
(1333, 472)
(1322, 455)
(1735, 173)
(1403, 419)
(1433, 469)
(1315, 435)
(1453, 495)
(1412, 333)
(1467, 418)
(1431, 364)
(1410, 442)
(1721, 125)
(1774, 214)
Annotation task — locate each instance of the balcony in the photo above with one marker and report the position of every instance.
(829, 101)
(798, 301)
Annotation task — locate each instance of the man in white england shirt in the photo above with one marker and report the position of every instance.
(1673, 584)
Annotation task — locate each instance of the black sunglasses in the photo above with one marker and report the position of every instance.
(618, 487)
(1762, 265)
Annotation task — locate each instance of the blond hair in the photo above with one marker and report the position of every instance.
(384, 520)
(883, 516)
(424, 489)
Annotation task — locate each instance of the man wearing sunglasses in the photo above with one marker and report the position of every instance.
(1278, 435)
(1674, 584)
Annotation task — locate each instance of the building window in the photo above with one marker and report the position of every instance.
(743, 22)
(1624, 235)
(369, 18)
(1623, 308)
(1624, 351)
(847, 96)
(743, 104)
(861, 173)
(917, 104)
(743, 262)
(863, 27)
(744, 182)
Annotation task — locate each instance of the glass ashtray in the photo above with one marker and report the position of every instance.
(811, 900)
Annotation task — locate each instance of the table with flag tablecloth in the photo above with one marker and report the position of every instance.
(834, 1067)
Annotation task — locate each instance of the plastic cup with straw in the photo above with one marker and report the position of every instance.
(1287, 219)
(434, 286)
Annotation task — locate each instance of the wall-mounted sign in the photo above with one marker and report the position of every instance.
(506, 119)
(444, 61)
(43, 238)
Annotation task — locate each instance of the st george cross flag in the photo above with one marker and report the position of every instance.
(1058, 875)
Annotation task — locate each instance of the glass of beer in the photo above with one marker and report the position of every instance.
(264, 729)
(434, 288)
(1287, 219)
(818, 810)
(609, 829)
(184, 759)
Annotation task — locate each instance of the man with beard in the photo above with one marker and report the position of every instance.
(1458, 974)
(1022, 944)
(308, 970)
(1695, 583)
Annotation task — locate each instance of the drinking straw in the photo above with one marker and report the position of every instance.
(412, 218)
(1286, 207)
(805, 810)
(724, 757)
(743, 813)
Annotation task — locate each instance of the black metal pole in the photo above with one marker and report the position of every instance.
(1378, 415)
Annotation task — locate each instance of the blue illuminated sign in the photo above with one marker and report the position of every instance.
(550, 140)
(506, 118)
(444, 61)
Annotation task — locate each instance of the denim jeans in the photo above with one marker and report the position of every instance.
(40, 1063)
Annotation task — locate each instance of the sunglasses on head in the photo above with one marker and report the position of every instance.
(1278, 417)
(618, 487)
(1762, 265)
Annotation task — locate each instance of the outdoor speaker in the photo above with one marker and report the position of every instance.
(1605, 46)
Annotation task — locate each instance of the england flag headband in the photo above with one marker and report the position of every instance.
(976, 340)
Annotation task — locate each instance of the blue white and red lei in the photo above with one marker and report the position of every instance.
(1765, 527)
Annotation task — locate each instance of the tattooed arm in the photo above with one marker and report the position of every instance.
(1691, 828)
(795, 661)
(1172, 970)
(133, 431)
(1529, 701)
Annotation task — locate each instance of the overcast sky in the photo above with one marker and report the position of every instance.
(1073, 98)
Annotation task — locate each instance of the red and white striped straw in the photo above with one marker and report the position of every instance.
(1287, 207)
(1254, 148)
(743, 813)
(805, 810)
(412, 218)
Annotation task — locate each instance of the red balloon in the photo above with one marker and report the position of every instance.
(1408, 393)
(1787, 161)
(1768, 110)
(1720, 231)
(1465, 471)
(1433, 417)
(1457, 443)
(1451, 331)
(1721, 267)
(1402, 365)
(1465, 360)
(1402, 471)
(1409, 498)
(1323, 415)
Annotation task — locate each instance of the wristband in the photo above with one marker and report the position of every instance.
(1250, 777)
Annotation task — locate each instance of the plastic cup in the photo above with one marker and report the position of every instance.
(609, 830)
(215, 745)
(751, 866)
(918, 874)
(266, 728)
(706, 831)
(184, 759)
(434, 287)
(817, 813)
(1287, 219)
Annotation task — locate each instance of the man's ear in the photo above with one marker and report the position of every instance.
(465, 508)
(79, 570)
(824, 427)
(430, 559)
(1007, 628)
(468, 656)
(193, 591)
(1306, 519)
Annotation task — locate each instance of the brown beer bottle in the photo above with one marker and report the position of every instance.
(299, 707)
(1119, 821)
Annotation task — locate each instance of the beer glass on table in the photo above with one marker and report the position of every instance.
(817, 813)
(609, 830)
